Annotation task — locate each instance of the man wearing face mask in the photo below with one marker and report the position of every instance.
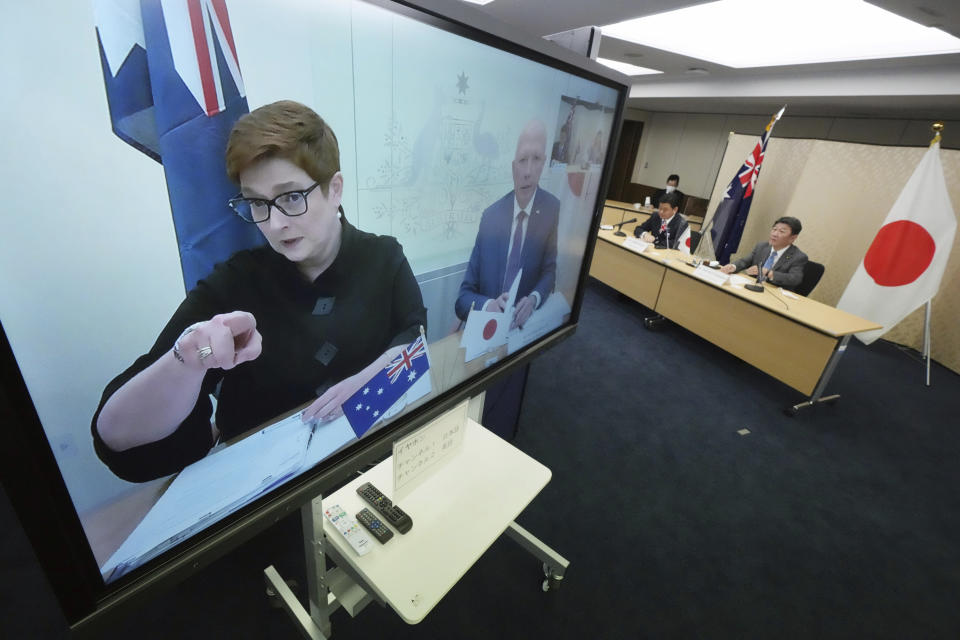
(671, 187)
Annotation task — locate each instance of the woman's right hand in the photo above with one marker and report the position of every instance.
(223, 342)
(150, 405)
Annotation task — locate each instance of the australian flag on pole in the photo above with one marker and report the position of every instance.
(731, 214)
(174, 90)
(408, 373)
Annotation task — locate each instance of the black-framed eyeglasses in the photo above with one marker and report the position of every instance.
(291, 203)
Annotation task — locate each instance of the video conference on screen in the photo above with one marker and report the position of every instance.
(430, 126)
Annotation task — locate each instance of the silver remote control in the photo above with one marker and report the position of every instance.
(348, 528)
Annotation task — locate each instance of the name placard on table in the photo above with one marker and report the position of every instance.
(636, 244)
(417, 453)
(712, 276)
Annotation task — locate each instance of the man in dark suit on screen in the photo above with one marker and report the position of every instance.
(781, 261)
(518, 231)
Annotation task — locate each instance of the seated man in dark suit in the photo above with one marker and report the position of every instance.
(518, 231)
(665, 226)
(672, 182)
(781, 261)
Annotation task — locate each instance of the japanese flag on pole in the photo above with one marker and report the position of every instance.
(683, 244)
(905, 262)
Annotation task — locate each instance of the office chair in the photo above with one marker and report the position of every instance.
(812, 272)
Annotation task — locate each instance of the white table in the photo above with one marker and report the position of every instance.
(458, 512)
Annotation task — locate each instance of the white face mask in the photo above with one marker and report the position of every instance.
(670, 188)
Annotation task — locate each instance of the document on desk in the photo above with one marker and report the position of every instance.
(739, 281)
(224, 481)
(543, 320)
(636, 244)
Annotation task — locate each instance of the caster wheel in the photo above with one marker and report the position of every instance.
(274, 599)
(552, 581)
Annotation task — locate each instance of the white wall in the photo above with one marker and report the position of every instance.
(692, 144)
(86, 232)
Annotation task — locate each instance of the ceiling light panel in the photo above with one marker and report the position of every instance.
(765, 33)
(626, 67)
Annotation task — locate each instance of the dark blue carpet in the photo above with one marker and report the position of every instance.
(840, 522)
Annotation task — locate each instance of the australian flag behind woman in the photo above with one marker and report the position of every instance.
(174, 90)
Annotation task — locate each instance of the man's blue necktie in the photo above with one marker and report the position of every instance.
(513, 262)
(769, 263)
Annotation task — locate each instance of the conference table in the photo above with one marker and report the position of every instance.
(796, 340)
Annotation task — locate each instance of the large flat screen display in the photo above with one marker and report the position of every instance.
(244, 240)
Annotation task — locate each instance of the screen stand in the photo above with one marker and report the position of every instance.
(499, 492)
(327, 590)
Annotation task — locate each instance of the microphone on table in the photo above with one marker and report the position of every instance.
(620, 224)
(758, 287)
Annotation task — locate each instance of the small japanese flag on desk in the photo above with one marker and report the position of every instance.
(683, 244)
(404, 380)
(484, 332)
(906, 260)
(487, 330)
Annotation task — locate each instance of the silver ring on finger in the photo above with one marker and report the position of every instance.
(204, 352)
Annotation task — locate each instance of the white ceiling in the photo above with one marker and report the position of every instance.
(901, 88)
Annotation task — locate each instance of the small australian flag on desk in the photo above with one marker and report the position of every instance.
(408, 373)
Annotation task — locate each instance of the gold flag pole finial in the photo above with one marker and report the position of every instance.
(937, 128)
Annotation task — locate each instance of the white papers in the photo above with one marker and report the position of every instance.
(512, 298)
(607, 227)
(787, 294)
(737, 280)
(636, 244)
(712, 276)
(224, 481)
(543, 320)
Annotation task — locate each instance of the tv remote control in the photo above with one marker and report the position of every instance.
(374, 525)
(393, 514)
(348, 528)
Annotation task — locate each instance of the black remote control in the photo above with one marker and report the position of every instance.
(379, 530)
(392, 513)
